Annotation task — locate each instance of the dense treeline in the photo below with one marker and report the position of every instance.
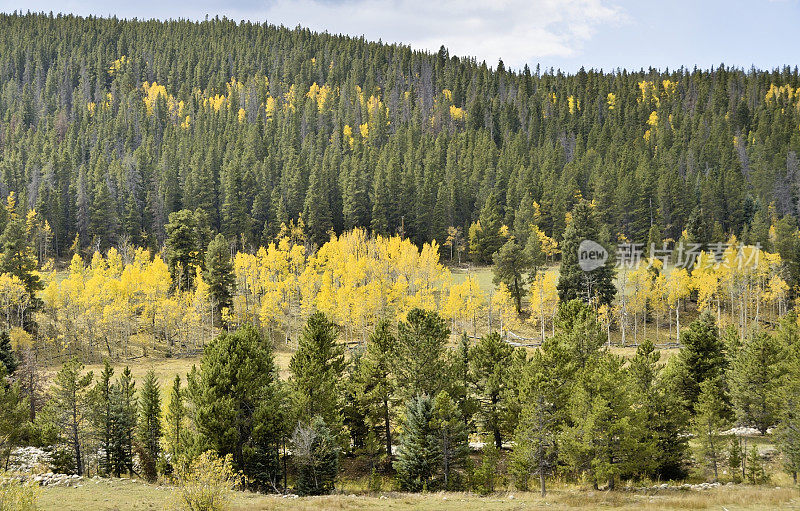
(406, 405)
(107, 126)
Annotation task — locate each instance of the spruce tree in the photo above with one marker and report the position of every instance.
(175, 427)
(7, 358)
(419, 454)
(219, 275)
(597, 285)
(421, 364)
(149, 426)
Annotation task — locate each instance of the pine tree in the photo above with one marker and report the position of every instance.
(702, 356)
(71, 402)
(710, 419)
(123, 406)
(219, 275)
(238, 404)
(175, 427)
(149, 426)
(419, 454)
(756, 375)
(453, 437)
(490, 364)
(378, 379)
(663, 419)
(101, 415)
(602, 437)
(316, 370)
(511, 263)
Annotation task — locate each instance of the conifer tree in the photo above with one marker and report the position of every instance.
(175, 427)
(316, 370)
(124, 407)
(756, 377)
(710, 419)
(181, 247)
(419, 454)
(702, 356)
(317, 458)
(71, 401)
(219, 275)
(378, 377)
(596, 285)
(149, 426)
(7, 358)
(453, 437)
(421, 341)
(490, 364)
(238, 404)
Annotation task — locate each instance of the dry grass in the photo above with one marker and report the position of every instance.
(110, 495)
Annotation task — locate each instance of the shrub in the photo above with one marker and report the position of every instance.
(207, 484)
(16, 495)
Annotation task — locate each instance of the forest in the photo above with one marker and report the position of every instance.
(365, 261)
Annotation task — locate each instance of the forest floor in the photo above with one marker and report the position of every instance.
(134, 495)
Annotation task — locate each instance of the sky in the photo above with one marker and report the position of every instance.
(563, 34)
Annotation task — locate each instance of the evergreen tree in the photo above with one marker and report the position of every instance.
(175, 426)
(181, 248)
(490, 364)
(317, 458)
(511, 263)
(702, 356)
(238, 404)
(597, 285)
(421, 341)
(602, 436)
(710, 419)
(219, 275)
(378, 379)
(123, 406)
(756, 377)
(419, 454)
(102, 418)
(316, 371)
(71, 401)
(662, 415)
(453, 437)
(7, 358)
(486, 237)
(149, 426)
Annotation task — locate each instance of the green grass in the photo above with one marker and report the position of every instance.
(130, 495)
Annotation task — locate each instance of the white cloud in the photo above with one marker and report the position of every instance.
(519, 31)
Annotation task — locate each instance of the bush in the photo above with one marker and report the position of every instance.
(16, 495)
(207, 485)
